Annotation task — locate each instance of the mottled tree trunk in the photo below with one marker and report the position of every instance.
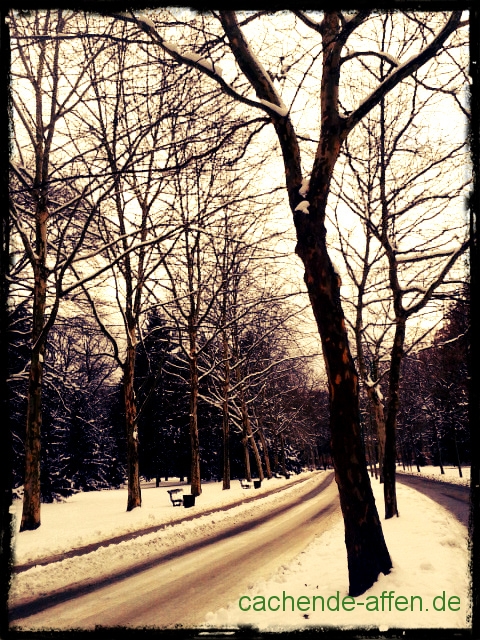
(134, 498)
(459, 465)
(31, 495)
(379, 422)
(366, 549)
(246, 455)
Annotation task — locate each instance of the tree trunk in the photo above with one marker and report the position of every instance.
(366, 549)
(225, 414)
(246, 455)
(414, 448)
(134, 495)
(389, 489)
(256, 453)
(456, 452)
(31, 492)
(282, 453)
(226, 446)
(266, 457)
(379, 421)
(437, 442)
(249, 439)
(195, 480)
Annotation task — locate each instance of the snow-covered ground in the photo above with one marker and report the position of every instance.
(451, 474)
(97, 516)
(429, 552)
(427, 545)
(94, 516)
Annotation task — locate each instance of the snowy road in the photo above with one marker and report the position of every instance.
(181, 588)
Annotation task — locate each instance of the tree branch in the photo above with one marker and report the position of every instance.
(403, 71)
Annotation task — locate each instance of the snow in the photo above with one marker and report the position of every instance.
(146, 20)
(97, 516)
(451, 474)
(428, 547)
(206, 64)
(303, 206)
(369, 383)
(281, 109)
(305, 187)
(194, 57)
(170, 46)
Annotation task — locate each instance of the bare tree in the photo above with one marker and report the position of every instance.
(366, 549)
(205, 202)
(47, 206)
(134, 136)
(414, 232)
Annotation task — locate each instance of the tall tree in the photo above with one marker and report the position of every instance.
(133, 151)
(413, 226)
(47, 206)
(366, 550)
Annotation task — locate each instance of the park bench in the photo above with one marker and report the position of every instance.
(245, 484)
(176, 497)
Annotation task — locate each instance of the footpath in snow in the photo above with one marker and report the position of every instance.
(429, 583)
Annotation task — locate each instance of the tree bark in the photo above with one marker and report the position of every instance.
(246, 455)
(225, 414)
(379, 421)
(31, 492)
(256, 453)
(266, 456)
(195, 479)
(31, 496)
(134, 498)
(366, 549)
(389, 489)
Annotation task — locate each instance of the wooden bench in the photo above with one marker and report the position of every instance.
(176, 497)
(245, 484)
